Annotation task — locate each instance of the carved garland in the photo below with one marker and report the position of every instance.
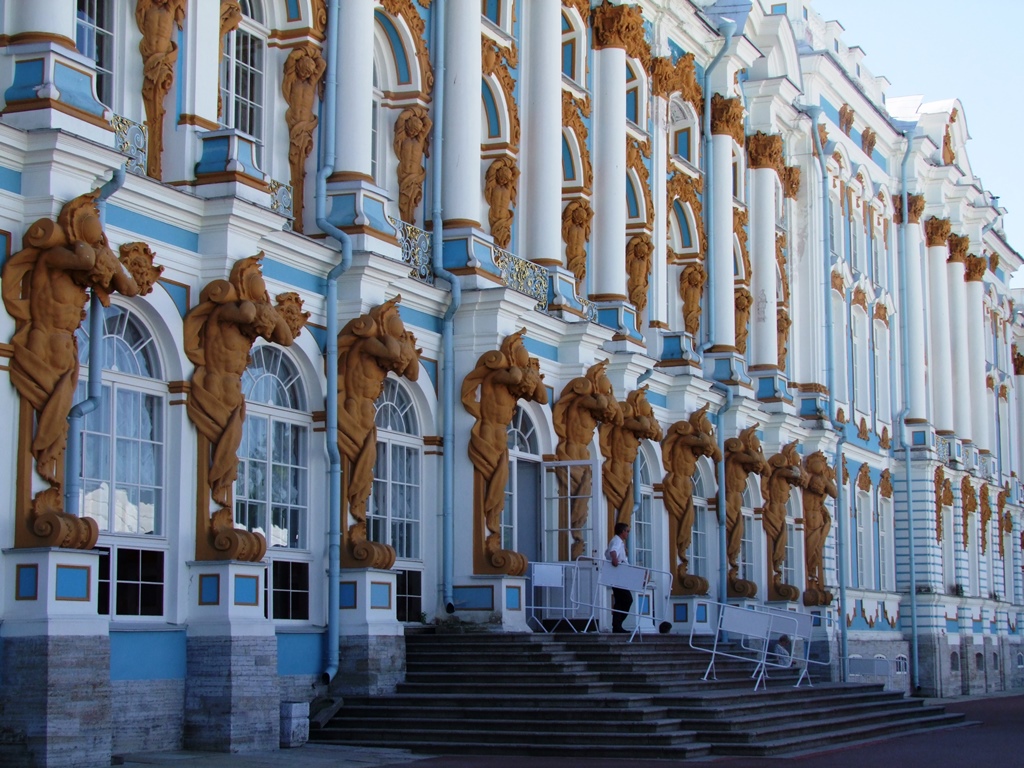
(301, 85)
(791, 181)
(497, 61)
(156, 21)
(404, 9)
(969, 504)
(780, 259)
(668, 78)
(573, 112)
(939, 482)
(686, 188)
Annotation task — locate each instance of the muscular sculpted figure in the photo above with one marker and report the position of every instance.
(411, 131)
(684, 444)
(784, 472)
(585, 401)
(300, 85)
(620, 444)
(369, 348)
(501, 378)
(158, 21)
(743, 456)
(219, 334)
(821, 482)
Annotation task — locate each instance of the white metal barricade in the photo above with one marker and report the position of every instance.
(889, 669)
(644, 583)
(548, 595)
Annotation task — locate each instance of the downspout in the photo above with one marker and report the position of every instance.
(904, 412)
(727, 28)
(448, 323)
(73, 456)
(327, 140)
(637, 497)
(814, 112)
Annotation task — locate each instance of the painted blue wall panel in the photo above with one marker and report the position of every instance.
(540, 349)
(10, 180)
(293, 276)
(147, 655)
(300, 653)
(152, 229)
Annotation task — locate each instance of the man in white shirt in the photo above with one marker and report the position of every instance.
(622, 599)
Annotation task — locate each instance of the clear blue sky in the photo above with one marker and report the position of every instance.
(972, 50)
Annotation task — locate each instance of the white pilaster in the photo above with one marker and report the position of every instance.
(722, 257)
(764, 348)
(609, 174)
(981, 400)
(354, 147)
(462, 193)
(661, 287)
(915, 354)
(542, 200)
(961, 383)
(942, 354)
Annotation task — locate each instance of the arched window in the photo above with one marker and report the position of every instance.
(394, 515)
(94, 37)
(684, 132)
(242, 76)
(698, 552)
(518, 518)
(839, 352)
(746, 558)
(573, 48)
(883, 532)
(883, 407)
(375, 123)
(861, 360)
(642, 526)
(123, 463)
(634, 100)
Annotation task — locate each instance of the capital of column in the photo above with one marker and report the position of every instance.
(915, 207)
(976, 266)
(727, 117)
(936, 232)
(958, 245)
(764, 150)
(620, 26)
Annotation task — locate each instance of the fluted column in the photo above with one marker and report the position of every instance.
(914, 355)
(609, 154)
(764, 153)
(541, 201)
(955, 271)
(354, 145)
(981, 401)
(941, 364)
(461, 195)
(726, 131)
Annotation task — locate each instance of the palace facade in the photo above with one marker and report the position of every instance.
(325, 319)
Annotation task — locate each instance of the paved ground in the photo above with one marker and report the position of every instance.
(996, 739)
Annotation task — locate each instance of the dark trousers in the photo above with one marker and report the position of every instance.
(622, 601)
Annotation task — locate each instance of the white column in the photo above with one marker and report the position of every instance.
(914, 355)
(609, 204)
(462, 193)
(981, 400)
(354, 145)
(1017, 396)
(722, 256)
(764, 338)
(961, 382)
(942, 354)
(52, 18)
(542, 201)
(661, 287)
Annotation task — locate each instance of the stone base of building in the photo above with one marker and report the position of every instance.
(370, 664)
(232, 702)
(55, 702)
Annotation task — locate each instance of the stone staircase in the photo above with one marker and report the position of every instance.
(590, 695)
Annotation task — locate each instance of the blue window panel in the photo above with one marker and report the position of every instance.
(10, 180)
(569, 58)
(568, 166)
(491, 110)
(147, 655)
(684, 224)
(247, 590)
(209, 589)
(632, 205)
(300, 653)
(26, 582)
(702, 613)
(633, 106)
(347, 595)
(492, 10)
(380, 595)
(680, 612)
(778, 9)
(682, 143)
(473, 598)
(73, 582)
(513, 598)
(397, 48)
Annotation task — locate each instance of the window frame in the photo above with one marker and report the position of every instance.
(250, 28)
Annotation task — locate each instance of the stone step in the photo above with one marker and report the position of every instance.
(735, 718)
(573, 754)
(552, 727)
(400, 709)
(495, 688)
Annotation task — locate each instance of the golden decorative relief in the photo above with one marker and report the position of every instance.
(1004, 392)
(867, 141)
(782, 325)
(884, 441)
(584, 402)
(1018, 362)
(838, 284)
(668, 78)
(948, 154)
(968, 503)
(490, 394)
(157, 20)
(976, 266)
(620, 445)
(636, 152)
(958, 247)
(885, 484)
(764, 150)
(727, 117)
(993, 261)
(937, 232)
(860, 298)
(301, 86)
(862, 429)
(739, 228)
(218, 336)
(915, 208)
(780, 259)
(986, 516)
(783, 472)
(685, 443)
(369, 348)
(743, 302)
(501, 188)
(319, 20)
(686, 188)
(582, 7)
(881, 313)
(621, 26)
(412, 129)
(44, 288)
(743, 457)
(846, 116)
(846, 472)
(1007, 527)
(841, 416)
(639, 253)
(938, 481)
(497, 61)
(577, 218)
(822, 137)
(820, 481)
(405, 10)
(691, 288)
(790, 181)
